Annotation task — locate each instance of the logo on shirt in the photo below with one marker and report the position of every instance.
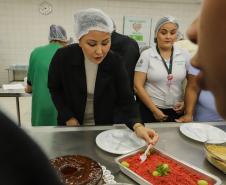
(139, 64)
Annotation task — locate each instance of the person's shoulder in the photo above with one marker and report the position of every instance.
(114, 63)
(148, 51)
(69, 50)
(126, 37)
(187, 45)
(113, 58)
(36, 52)
(112, 55)
(13, 138)
(180, 50)
(130, 41)
(123, 38)
(39, 48)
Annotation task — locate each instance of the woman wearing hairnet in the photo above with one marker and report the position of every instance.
(159, 75)
(87, 81)
(43, 110)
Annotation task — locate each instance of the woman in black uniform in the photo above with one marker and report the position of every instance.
(87, 81)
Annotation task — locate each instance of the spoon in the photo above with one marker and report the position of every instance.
(143, 157)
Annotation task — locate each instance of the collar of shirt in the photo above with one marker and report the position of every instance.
(154, 52)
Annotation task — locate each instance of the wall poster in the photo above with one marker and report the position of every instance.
(138, 28)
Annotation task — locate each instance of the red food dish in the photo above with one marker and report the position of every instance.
(178, 173)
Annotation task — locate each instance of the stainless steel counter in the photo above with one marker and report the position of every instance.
(15, 94)
(63, 141)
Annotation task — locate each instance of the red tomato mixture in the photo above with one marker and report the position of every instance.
(178, 174)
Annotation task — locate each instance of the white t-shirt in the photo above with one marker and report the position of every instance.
(205, 109)
(150, 62)
(91, 73)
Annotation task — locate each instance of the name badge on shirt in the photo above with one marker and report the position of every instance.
(169, 77)
(169, 80)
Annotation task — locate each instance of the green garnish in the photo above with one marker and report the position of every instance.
(162, 170)
(165, 167)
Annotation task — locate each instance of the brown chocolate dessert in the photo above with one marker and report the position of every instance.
(77, 170)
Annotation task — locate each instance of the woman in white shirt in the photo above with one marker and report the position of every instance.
(160, 73)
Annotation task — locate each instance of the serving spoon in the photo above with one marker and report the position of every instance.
(143, 157)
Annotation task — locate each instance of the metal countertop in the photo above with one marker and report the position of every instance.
(13, 93)
(57, 141)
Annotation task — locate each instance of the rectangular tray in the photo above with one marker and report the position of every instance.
(143, 181)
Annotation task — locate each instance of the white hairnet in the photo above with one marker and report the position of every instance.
(57, 32)
(92, 19)
(164, 20)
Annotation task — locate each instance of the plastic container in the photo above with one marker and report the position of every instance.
(216, 154)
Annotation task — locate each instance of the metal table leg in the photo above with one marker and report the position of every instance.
(18, 110)
(13, 75)
(8, 76)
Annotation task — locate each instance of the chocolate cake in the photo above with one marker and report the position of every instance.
(77, 169)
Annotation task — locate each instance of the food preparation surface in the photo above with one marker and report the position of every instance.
(66, 141)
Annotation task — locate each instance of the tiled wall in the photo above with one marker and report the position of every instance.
(23, 27)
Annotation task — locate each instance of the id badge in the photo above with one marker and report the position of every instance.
(169, 99)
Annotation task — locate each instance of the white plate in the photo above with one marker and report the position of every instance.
(203, 132)
(119, 141)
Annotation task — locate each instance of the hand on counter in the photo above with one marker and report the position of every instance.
(72, 122)
(28, 89)
(149, 135)
(159, 115)
(184, 119)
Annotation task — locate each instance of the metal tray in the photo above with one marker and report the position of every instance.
(143, 181)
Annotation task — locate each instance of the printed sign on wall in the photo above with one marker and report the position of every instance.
(138, 28)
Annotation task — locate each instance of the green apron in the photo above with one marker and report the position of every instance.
(43, 110)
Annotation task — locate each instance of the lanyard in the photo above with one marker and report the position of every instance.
(169, 70)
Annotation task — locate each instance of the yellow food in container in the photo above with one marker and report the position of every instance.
(216, 154)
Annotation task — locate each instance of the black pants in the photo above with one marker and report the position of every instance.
(148, 117)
